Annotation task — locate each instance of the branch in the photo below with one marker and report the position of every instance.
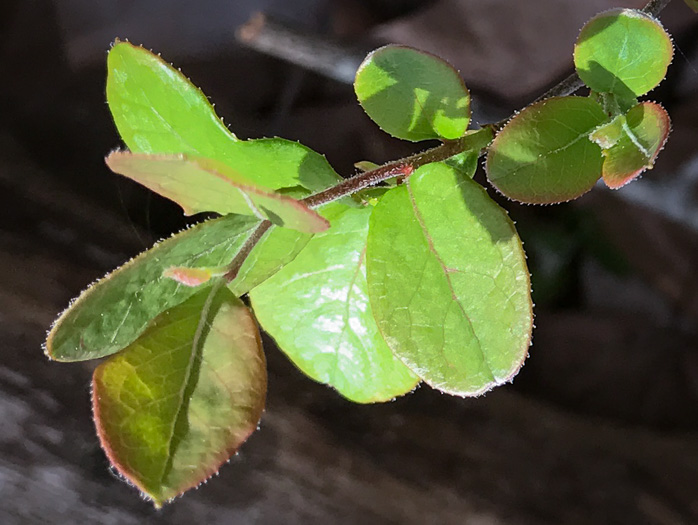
(323, 55)
(387, 171)
(332, 57)
(250, 243)
(253, 31)
(572, 83)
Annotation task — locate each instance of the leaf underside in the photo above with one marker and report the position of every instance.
(202, 185)
(316, 309)
(448, 282)
(178, 402)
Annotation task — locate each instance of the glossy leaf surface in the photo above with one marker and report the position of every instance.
(543, 155)
(448, 282)
(158, 110)
(643, 133)
(623, 51)
(316, 309)
(203, 185)
(413, 95)
(114, 311)
(180, 400)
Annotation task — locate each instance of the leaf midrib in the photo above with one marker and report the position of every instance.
(167, 466)
(445, 269)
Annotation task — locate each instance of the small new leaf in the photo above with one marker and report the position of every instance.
(204, 185)
(635, 140)
(413, 95)
(179, 401)
(448, 283)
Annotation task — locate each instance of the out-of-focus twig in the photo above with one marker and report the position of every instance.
(329, 57)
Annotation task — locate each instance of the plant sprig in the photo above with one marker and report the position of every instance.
(421, 279)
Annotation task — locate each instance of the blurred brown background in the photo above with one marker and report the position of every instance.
(601, 424)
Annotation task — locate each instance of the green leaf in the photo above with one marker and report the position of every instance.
(366, 165)
(276, 249)
(413, 95)
(464, 163)
(317, 310)
(448, 283)
(623, 51)
(201, 185)
(609, 133)
(543, 155)
(179, 401)
(157, 110)
(632, 142)
(114, 311)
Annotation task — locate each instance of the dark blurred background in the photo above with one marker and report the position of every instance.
(599, 426)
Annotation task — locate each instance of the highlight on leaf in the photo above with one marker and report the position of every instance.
(632, 142)
(317, 310)
(623, 51)
(448, 283)
(544, 155)
(413, 95)
(204, 185)
(181, 399)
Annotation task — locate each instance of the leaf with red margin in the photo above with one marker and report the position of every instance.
(636, 139)
(177, 403)
(447, 282)
(543, 155)
(200, 185)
